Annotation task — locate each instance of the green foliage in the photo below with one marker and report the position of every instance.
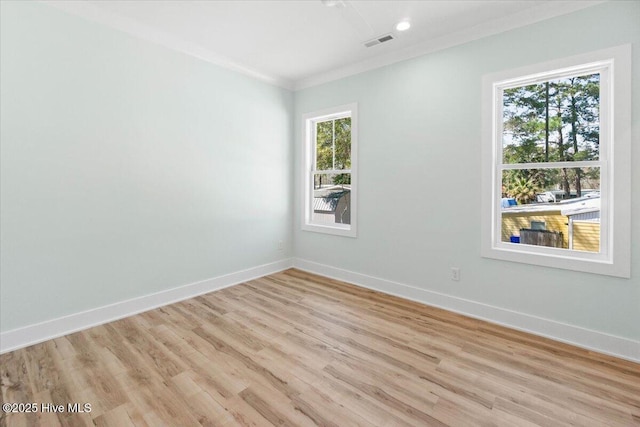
(324, 145)
(522, 189)
(333, 144)
(343, 179)
(554, 121)
(343, 143)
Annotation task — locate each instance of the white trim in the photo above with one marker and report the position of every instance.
(589, 339)
(130, 26)
(39, 332)
(623, 348)
(545, 11)
(615, 164)
(527, 17)
(336, 230)
(307, 161)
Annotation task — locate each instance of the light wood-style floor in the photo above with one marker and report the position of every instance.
(294, 349)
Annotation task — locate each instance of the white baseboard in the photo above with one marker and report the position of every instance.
(623, 348)
(592, 340)
(33, 334)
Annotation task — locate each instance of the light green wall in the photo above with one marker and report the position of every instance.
(419, 175)
(128, 168)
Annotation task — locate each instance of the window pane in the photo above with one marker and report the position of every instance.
(324, 145)
(343, 143)
(331, 199)
(557, 207)
(553, 121)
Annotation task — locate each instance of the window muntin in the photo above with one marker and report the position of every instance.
(550, 130)
(596, 225)
(329, 195)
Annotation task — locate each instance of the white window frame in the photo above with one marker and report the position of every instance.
(309, 121)
(614, 258)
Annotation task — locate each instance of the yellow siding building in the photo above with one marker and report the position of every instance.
(512, 222)
(584, 235)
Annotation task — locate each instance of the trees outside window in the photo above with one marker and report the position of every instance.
(556, 120)
(556, 168)
(329, 166)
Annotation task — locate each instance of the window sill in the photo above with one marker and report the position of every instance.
(561, 258)
(336, 231)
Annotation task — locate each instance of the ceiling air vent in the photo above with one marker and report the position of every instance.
(378, 40)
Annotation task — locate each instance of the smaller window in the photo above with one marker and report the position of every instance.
(538, 225)
(329, 171)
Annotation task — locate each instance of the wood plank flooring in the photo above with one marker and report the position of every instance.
(295, 349)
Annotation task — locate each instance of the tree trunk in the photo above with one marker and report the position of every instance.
(563, 157)
(546, 123)
(574, 136)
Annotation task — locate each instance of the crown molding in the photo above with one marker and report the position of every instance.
(545, 11)
(96, 14)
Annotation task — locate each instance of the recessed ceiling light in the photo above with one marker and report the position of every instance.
(403, 25)
(332, 3)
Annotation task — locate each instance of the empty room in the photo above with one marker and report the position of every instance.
(319, 213)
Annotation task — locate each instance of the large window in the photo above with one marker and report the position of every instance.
(556, 172)
(329, 171)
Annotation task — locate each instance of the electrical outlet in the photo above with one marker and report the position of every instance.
(280, 245)
(455, 274)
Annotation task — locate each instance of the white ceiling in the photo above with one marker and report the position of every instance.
(301, 43)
